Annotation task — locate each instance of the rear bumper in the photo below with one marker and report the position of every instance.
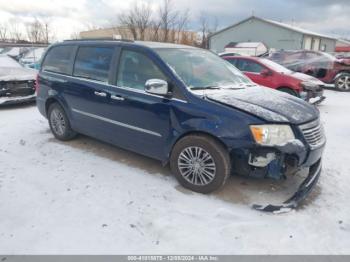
(17, 99)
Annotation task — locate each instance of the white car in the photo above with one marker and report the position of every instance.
(17, 84)
(32, 57)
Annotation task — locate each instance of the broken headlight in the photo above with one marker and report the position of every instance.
(272, 135)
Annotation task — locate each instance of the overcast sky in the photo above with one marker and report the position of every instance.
(69, 16)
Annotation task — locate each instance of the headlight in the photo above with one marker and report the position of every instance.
(271, 135)
(309, 85)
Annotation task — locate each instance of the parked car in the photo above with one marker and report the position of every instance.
(15, 52)
(32, 58)
(16, 82)
(323, 66)
(228, 54)
(270, 74)
(183, 106)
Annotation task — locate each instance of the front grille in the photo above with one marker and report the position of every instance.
(17, 88)
(313, 133)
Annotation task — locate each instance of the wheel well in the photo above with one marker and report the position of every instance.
(199, 133)
(343, 72)
(287, 87)
(49, 102)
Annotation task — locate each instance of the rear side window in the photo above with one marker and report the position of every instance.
(249, 66)
(93, 63)
(232, 61)
(58, 59)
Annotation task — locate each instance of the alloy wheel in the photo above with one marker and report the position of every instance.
(58, 122)
(197, 166)
(344, 83)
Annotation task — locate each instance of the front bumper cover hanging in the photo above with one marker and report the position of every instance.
(303, 191)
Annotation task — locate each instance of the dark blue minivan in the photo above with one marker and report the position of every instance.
(183, 106)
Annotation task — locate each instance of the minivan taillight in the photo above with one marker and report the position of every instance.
(36, 86)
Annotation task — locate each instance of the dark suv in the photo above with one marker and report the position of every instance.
(181, 105)
(323, 66)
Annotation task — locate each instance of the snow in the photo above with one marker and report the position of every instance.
(11, 70)
(6, 61)
(17, 74)
(13, 99)
(86, 197)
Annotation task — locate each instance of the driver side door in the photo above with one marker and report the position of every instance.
(141, 121)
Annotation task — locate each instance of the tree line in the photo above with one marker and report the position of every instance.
(142, 21)
(38, 31)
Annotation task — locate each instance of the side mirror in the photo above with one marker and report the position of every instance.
(157, 87)
(265, 72)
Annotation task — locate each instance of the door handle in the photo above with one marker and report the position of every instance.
(102, 94)
(118, 98)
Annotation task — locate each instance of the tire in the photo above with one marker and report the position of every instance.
(59, 123)
(288, 91)
(215, 161)
(342, 82)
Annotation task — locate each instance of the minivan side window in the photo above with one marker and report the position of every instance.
(135, 69)
(93, 63)
(58, 59)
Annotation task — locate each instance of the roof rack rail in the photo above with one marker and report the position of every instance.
(100, 38)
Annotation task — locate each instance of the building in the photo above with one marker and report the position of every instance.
(150, 34)
(273, 34)
(342, 46)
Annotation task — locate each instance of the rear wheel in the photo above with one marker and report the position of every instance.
(342, 83)
(59, 123)
(200, 163)
(288, 91)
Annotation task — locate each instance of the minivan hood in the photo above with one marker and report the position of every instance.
(268, 104)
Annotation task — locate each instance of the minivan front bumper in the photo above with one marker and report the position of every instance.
(303, 191)
(301, 154)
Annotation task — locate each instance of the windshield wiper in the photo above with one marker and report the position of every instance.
(204, 87)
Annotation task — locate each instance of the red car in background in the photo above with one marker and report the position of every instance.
(324, 66)
(270, 74)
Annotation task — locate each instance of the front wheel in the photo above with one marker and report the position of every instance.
(342, 83)
(200, 163)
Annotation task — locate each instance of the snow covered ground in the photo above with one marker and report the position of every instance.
(85, 196)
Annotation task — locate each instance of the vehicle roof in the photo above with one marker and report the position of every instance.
(149, 44)
(244, 57)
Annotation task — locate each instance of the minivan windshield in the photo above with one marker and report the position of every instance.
(201, 69)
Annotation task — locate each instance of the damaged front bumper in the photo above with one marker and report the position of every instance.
(303, 191)
(283, 161)
(16, 92)
(314, 95)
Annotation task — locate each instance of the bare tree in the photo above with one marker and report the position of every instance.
(207, 28)
(155, 31)
(75, 35)
(137, 20)
(15, 31)
(35, 31)
(181, 26)
(3, 32)
(46, 31)
(168, 18)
